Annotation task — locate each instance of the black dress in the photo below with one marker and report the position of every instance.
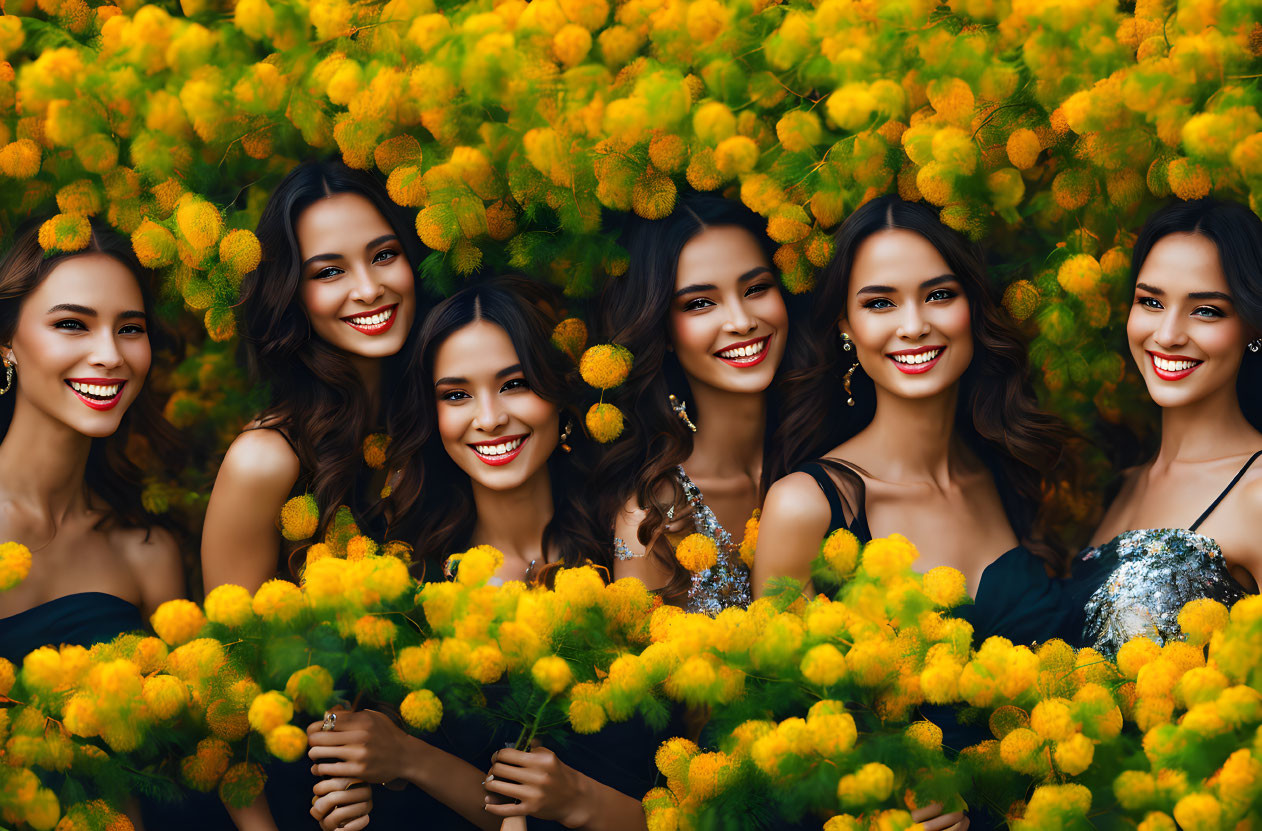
(81, 619)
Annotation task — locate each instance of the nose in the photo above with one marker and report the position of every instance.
(739, 321)
(367, 289)
(912, 325)
(490, 414)
(1170, 333)
(105, 352)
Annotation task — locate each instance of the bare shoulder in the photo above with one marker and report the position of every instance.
(796, 498)
(261, 456)
(155, 547)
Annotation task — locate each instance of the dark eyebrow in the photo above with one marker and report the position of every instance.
(132, 313)
(937, 281)
(1210, 295)
(930, 283)
(74, 308)
(318, 258)
(744, 278)
(1150, 289)
(508, 370)
(379, 240)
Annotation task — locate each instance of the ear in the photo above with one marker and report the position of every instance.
(843, 326)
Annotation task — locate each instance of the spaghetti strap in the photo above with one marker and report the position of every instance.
(819, 471)
(829, 487)
(1226, 491)
(282, 433)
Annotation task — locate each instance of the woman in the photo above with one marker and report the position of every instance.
(499, 439)
(323, 317)
(1195, 332)
(702, 313)
(76, 339)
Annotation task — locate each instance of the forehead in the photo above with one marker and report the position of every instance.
(896, 257)
(95, 280)
(1184, 263)
(717, 254)
(479, 349)
(339, 224)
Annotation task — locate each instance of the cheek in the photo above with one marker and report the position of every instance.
(451, 424)
(139, 357)
(1137, 327)
(690, 335)
(536, 412)
(321, 300)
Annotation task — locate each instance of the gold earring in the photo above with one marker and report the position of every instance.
(846, 384)
(1255, 346)
(681, 410)
(565, 434)
(8, 377)
(846, 343)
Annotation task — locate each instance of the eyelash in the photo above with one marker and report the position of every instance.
(693, 305)
(77, 326)
(326, 272)
(947, 295)
(1155, 304)
(511, 384)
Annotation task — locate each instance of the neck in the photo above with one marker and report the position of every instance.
(731, 429)
(916, 435)
(513, 521)
(1210, 428)
(42, 462)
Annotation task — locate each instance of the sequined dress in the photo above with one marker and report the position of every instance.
(724, 584)
(1140, 580)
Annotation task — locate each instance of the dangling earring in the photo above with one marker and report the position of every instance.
(846, 343)
(565, 434)
(8, 377)
(1255, 346)
(681, 410)
(845, 384)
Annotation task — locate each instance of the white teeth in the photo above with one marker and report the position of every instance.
(96, 390)
(923, 357)
(1172, 366)
(499, 449)
(744, 351)
(373, 320)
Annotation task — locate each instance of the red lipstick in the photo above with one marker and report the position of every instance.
(916, 369)
(746, 360)
(1172, 374)
(96, 400)
(502, 458)
(374, 328)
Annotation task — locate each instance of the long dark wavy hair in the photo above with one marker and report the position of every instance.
(1236, 232)
(315, 394)
(633, 311)
(433, 491)
(997, 415)
(111, 475)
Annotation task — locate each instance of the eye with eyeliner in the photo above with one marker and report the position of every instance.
(878, 304)
(697, 303)
(515, 384)
(70, 325)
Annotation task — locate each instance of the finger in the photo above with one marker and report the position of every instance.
(328, 786)
(512, 789)
(508, 809)
(960, 826)
(513, 757)
(333, 800)
(941, 823)
(355, 824)
(352, 769)
(930, 811)
(337, 738)
(346, 813)
(512, 773)
(347, 753)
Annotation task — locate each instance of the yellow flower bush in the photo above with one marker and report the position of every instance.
(15, 564)
(697, 552)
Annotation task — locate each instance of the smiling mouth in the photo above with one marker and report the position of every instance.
(747, 353)
(1172, 367)
(375, 322)
(104, 394)
(916, 361)
(500, 451)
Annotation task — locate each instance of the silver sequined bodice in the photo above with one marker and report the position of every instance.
(1151, 574)
(726, 583)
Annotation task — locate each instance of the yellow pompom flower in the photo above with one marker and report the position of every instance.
(199, 221)
(823, 665)
(15, 564)
(736, 155)
(65, 232)
(310, 688)
(8, 675)
(749, 543)
(241, 784)
(270, 710)
(697, 552)
(375, 448)
(570, 335)
(1074, 754)
(422, 709)
(874, 782)
(886, 557)
(20, 159)
(945, 586)
(1135, 654)
(154, 245)
(299, 518)
(287, 742)
(1023, 751)
(673, 757)
(653, 195)
(79, 197)
(485, 664)
(1080, 275)
(240, 251)
(552, 674)
(278, 601)
(1201, 618)
(393, 152)
(203, 770)
(178, 621)
(605, 365)
(604, 422)
(1189, 180)
(586, 712)
(925, 734)
(1021, 298)
(406, 186)
(230, 605)
(571, 44)
(1198, 812)
(840, 551)
(375, 632)
(165, 695)
(1023, 148)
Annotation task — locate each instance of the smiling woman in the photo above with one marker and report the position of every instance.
(77, 341)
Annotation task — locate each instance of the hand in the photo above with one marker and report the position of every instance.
(932, 818)
(365, 745)
(341, 804)
(545, 787)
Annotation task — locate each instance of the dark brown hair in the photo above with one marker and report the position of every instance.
(433, 490)
(633, 311)
(315, 394)
(111, 475)
(997, 415)
(1236, 232)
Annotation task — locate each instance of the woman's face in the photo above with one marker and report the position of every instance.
(491, 422)
(357, 286)
(1183, 329)
(727, 323)
(81, 347)
(907, 315)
